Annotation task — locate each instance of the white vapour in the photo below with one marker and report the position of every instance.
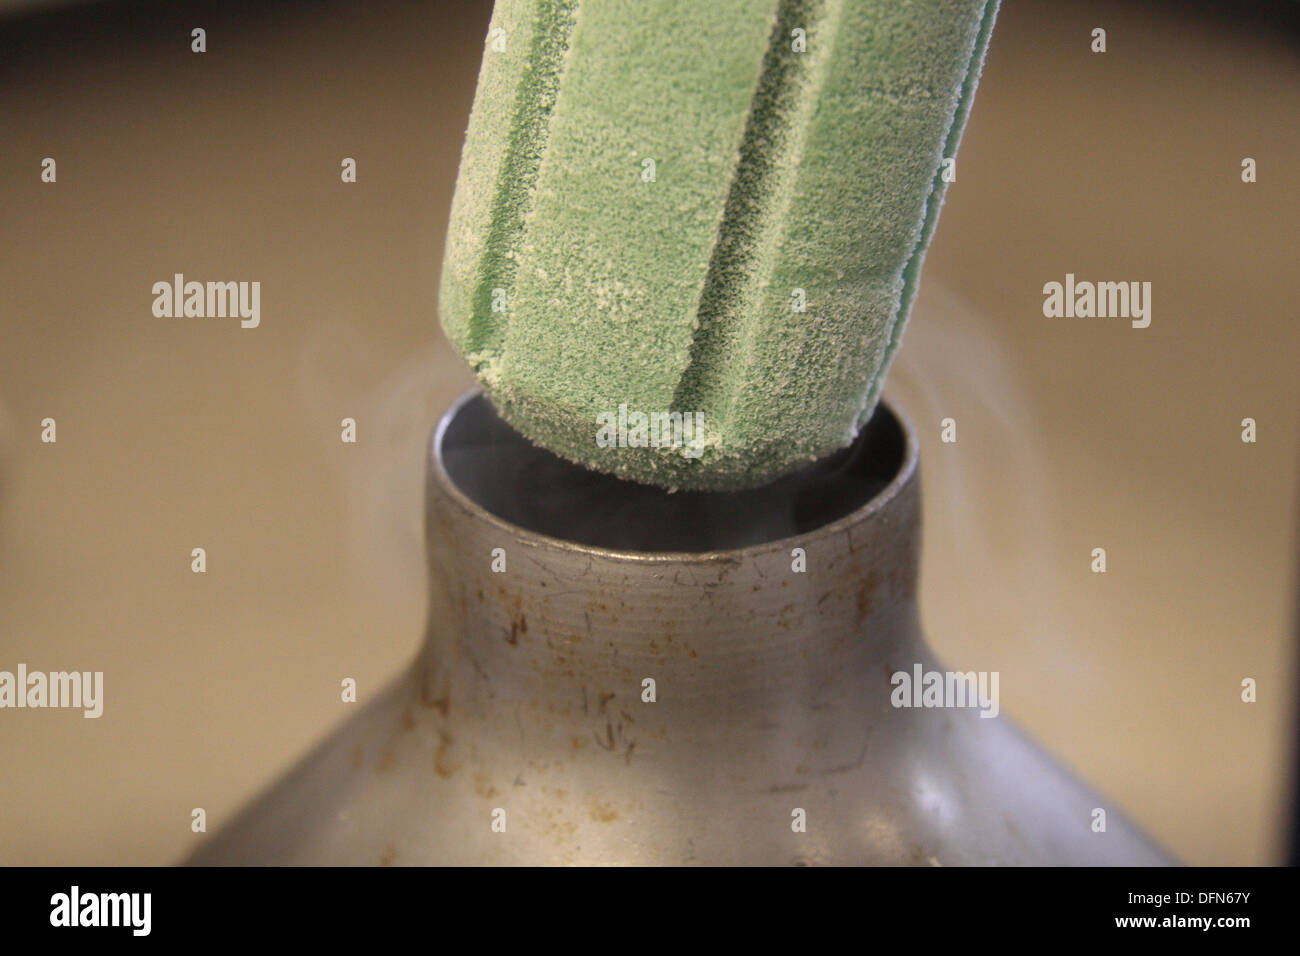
(991, 556)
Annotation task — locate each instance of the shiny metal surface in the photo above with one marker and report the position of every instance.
(523, 733)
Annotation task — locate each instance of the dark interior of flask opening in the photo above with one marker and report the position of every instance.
(522, 483)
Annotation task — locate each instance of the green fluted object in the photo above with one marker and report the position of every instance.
(714, 209)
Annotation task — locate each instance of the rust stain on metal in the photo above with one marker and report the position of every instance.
(786, 615)
(865, 596)
(786, 788)
(519, 628)
(483, 786)
(442, 705)
(442, 764)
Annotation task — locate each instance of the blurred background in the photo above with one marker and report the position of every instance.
(175, 434)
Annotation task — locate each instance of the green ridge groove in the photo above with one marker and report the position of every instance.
(751, 223)
(912, 269)
(537, 93)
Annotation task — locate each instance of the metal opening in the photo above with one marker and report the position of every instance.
(503, 472)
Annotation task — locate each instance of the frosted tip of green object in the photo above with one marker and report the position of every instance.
(686, 236)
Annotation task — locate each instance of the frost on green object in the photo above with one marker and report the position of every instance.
(647, 185)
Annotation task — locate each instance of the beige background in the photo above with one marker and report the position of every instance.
(176, 434)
